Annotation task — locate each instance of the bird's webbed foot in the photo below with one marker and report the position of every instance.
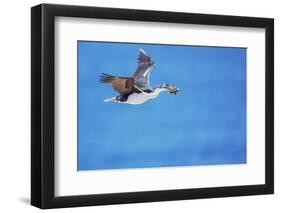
(122, 98)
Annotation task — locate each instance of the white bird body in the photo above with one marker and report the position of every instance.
(138, 98)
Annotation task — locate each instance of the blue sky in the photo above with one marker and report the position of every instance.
(204, 124)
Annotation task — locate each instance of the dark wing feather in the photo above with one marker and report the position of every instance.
(142, 74)
(122, 85)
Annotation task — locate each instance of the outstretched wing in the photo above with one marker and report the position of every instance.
(142, 74)
(122, 85)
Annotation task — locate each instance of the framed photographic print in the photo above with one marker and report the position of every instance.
(139, 106)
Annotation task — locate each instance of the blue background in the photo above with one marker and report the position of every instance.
(204, 124)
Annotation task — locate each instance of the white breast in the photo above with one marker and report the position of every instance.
(139, 98)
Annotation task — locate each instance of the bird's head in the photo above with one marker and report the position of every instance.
(169, 88)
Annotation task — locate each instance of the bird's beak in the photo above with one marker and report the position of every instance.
(173, 90)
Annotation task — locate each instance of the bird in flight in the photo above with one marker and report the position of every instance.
(136, 89)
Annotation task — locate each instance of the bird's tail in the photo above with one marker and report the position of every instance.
(105, 78)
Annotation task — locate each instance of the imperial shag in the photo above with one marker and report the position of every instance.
(136, 89)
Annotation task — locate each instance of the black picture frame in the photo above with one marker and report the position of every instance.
(43, 111)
